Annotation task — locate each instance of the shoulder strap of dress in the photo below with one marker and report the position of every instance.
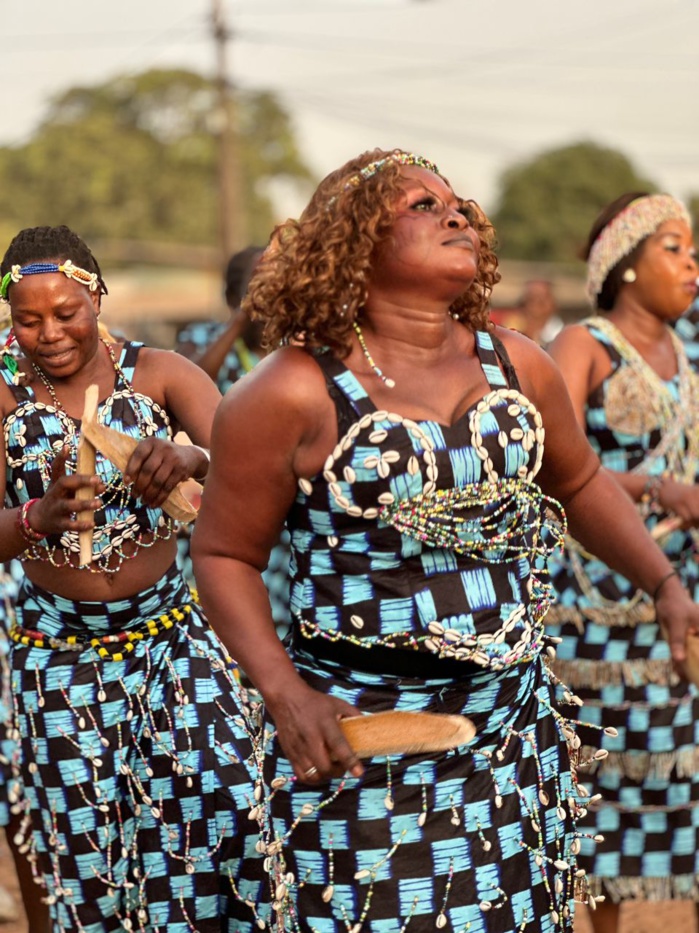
(496, 363)
(343, 384)
(128, 357)
(606, 334)
(20, 393)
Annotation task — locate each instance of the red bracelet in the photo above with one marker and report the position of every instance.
(23, 526)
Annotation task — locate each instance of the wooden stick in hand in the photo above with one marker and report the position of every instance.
(117, 448)
(401, 732)
(86, 464)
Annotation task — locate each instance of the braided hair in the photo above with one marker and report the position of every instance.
(40, 244)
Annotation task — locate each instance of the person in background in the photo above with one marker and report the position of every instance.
(134, 732)
(636, 396)
(226, 351)
(416, 454)
(35, 909)
(537, 312)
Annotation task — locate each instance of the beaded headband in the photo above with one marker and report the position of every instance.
(622, 234)
(91, 279)
(400, 158)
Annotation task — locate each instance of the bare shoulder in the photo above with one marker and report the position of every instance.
(525, 354)
(7, 399)
(288, 384)
(154, 360)
(573, 338)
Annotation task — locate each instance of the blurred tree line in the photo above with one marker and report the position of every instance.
(136, 158)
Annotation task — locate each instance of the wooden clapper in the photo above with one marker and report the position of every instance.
(117, 448)
(389, 733)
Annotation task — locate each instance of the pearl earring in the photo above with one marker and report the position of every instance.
(629, 275)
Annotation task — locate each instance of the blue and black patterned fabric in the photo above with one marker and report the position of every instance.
(614, 656)
(481, 838)
(136, 740)
(10, 577)
(136, 770)
(35, 432)
(687, 329)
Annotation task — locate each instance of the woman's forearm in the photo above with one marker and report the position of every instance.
(236, 603)
(12, 541)
(605, 521)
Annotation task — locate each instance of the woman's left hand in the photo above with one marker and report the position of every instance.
(678, 617)
(156, 466)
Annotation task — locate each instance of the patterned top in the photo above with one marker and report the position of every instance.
(240, 359)
(436, 536)
(687, 328)
(636, 422)
(35, 432)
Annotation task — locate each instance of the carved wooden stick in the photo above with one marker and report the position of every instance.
(118, 448)
(401, 732)
(86, 464)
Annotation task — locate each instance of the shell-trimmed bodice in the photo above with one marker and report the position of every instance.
(426, 536)
(35, 432)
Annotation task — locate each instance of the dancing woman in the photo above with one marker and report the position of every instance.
(637, 397)
(130, 734)
(415, 455)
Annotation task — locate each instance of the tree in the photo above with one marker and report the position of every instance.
(136, 158)
(547, 205)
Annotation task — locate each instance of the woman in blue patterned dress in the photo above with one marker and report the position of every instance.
(637, 397)
(403, 443)
(131, 730)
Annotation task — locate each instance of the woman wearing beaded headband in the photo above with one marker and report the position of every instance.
(637, 397)
(131, 727)
(403, 443)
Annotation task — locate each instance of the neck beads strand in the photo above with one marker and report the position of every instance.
(370, 359)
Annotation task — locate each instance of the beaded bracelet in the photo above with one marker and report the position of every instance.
(663, 581)
(23, 526)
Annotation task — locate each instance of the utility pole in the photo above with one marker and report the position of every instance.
(231, 214)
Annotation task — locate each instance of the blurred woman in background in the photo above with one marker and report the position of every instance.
(637, 398)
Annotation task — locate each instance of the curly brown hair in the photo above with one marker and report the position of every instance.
(312, 282)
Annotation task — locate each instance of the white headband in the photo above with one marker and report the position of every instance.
(637, 221)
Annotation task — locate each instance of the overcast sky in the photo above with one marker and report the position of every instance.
(475, 86)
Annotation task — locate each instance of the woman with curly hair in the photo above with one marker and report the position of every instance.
(401, 439)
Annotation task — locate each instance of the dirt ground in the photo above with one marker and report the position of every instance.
(639, 918)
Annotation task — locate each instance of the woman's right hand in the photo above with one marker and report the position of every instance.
(308, 730)
(680, 499)
(57, 509)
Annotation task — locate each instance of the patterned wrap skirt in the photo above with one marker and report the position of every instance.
(135, 770)
(479, 839)
(10, 787)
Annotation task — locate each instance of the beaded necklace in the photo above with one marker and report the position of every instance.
(675, 417)
(118, 370)
(675, 422)
(390, 383)
(120, 538)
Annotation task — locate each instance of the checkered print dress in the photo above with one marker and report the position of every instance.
(614, 657)
(10, 575)
(136, 738)
(479, 839)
